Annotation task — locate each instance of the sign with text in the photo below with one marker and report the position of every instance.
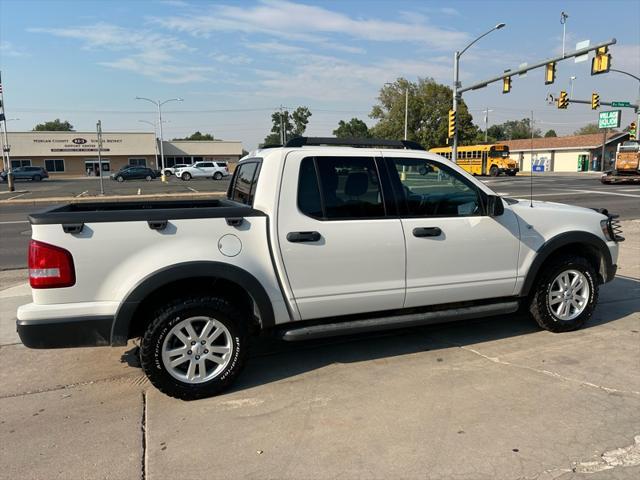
(620, 104)
(610, 119)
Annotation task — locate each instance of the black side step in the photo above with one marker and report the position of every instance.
(398, 321)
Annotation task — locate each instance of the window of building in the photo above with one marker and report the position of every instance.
(244, 181)
(436, 190)
(197, 159)
(54, 165)
(340, 188)
(138, 162)
(20, 163)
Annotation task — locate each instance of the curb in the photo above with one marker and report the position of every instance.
(115, 198)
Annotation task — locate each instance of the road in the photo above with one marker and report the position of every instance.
(582, 190)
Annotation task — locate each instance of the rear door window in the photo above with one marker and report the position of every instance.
(340, 188)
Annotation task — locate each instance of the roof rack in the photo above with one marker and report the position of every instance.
(354, 142)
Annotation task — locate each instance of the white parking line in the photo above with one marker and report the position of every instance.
(82, 194)
(11, 198)
(193, 190)
(629, 190)
(609, 193)
(13, 222)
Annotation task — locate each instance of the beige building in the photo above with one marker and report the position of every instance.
(576, 153)
(76, 153)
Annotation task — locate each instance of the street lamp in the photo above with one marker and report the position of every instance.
(159, 104)
(406, 106)
(456, 85)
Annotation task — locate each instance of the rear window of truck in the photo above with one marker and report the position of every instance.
(242, 188)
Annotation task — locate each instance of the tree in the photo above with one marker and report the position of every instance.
(588, 129)
(429, 104)
(198, 137)
(294, 125)
(550, 133)
(56, 125)
(354, 128)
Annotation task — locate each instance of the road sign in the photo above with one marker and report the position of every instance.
(620, 104)
(610, 119)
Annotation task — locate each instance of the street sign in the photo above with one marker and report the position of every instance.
(620, 104)
(610, 119)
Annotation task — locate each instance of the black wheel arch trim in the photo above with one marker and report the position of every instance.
(184, 271)
(606, 269)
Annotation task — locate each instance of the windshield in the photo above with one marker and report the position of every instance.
(498, 153)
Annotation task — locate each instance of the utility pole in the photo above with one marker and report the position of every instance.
(99, 132)
(571, 80)
(406, 110)
(604, 142)
(486, 124)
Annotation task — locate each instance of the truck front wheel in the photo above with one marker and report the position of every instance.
(566, 294)
(194, 347)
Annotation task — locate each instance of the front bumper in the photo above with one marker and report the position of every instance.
(66, 332)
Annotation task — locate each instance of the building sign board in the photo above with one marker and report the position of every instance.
(610, 119)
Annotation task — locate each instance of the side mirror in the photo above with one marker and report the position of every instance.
(495, 207)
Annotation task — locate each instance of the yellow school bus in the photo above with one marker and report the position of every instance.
(482, 159)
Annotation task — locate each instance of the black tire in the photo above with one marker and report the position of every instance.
(186, 176)
(511, 174)
(494, 171)
(175, 312)
(148, 178)
(167, 173)
(539, 307)
(217, 176)
(37, 178)
(120, 178)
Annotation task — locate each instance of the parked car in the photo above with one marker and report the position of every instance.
(26, 173)
(312, 241)
(215, 170)
(134, 173)
(168, 171)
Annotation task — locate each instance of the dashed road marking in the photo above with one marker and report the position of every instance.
(600, 192)
(629, 190)
(14, 222)
(82, 194)
(193, 190)
(16, 196)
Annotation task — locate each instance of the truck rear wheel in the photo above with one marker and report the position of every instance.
(194, 347)
(566, 294)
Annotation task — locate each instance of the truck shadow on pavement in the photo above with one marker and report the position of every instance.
(272, 360)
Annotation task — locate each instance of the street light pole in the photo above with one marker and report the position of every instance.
(486, 124)
(456, 86)
(159, 104)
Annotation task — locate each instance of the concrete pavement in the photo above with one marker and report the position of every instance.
(489, 399)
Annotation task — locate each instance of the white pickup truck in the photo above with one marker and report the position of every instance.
(313, 239)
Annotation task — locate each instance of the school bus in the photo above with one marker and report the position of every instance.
(482, 159)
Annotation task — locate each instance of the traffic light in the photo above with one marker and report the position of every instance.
(452, 124)
(601, 62)
(550, 73)
(506, 84)
(563, 100)
(595, 101)
(632, 130)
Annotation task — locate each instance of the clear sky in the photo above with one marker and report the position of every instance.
(233, 62)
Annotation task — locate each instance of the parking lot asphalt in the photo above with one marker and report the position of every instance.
(489, 399)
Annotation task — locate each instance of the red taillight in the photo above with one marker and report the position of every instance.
(50, 266)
